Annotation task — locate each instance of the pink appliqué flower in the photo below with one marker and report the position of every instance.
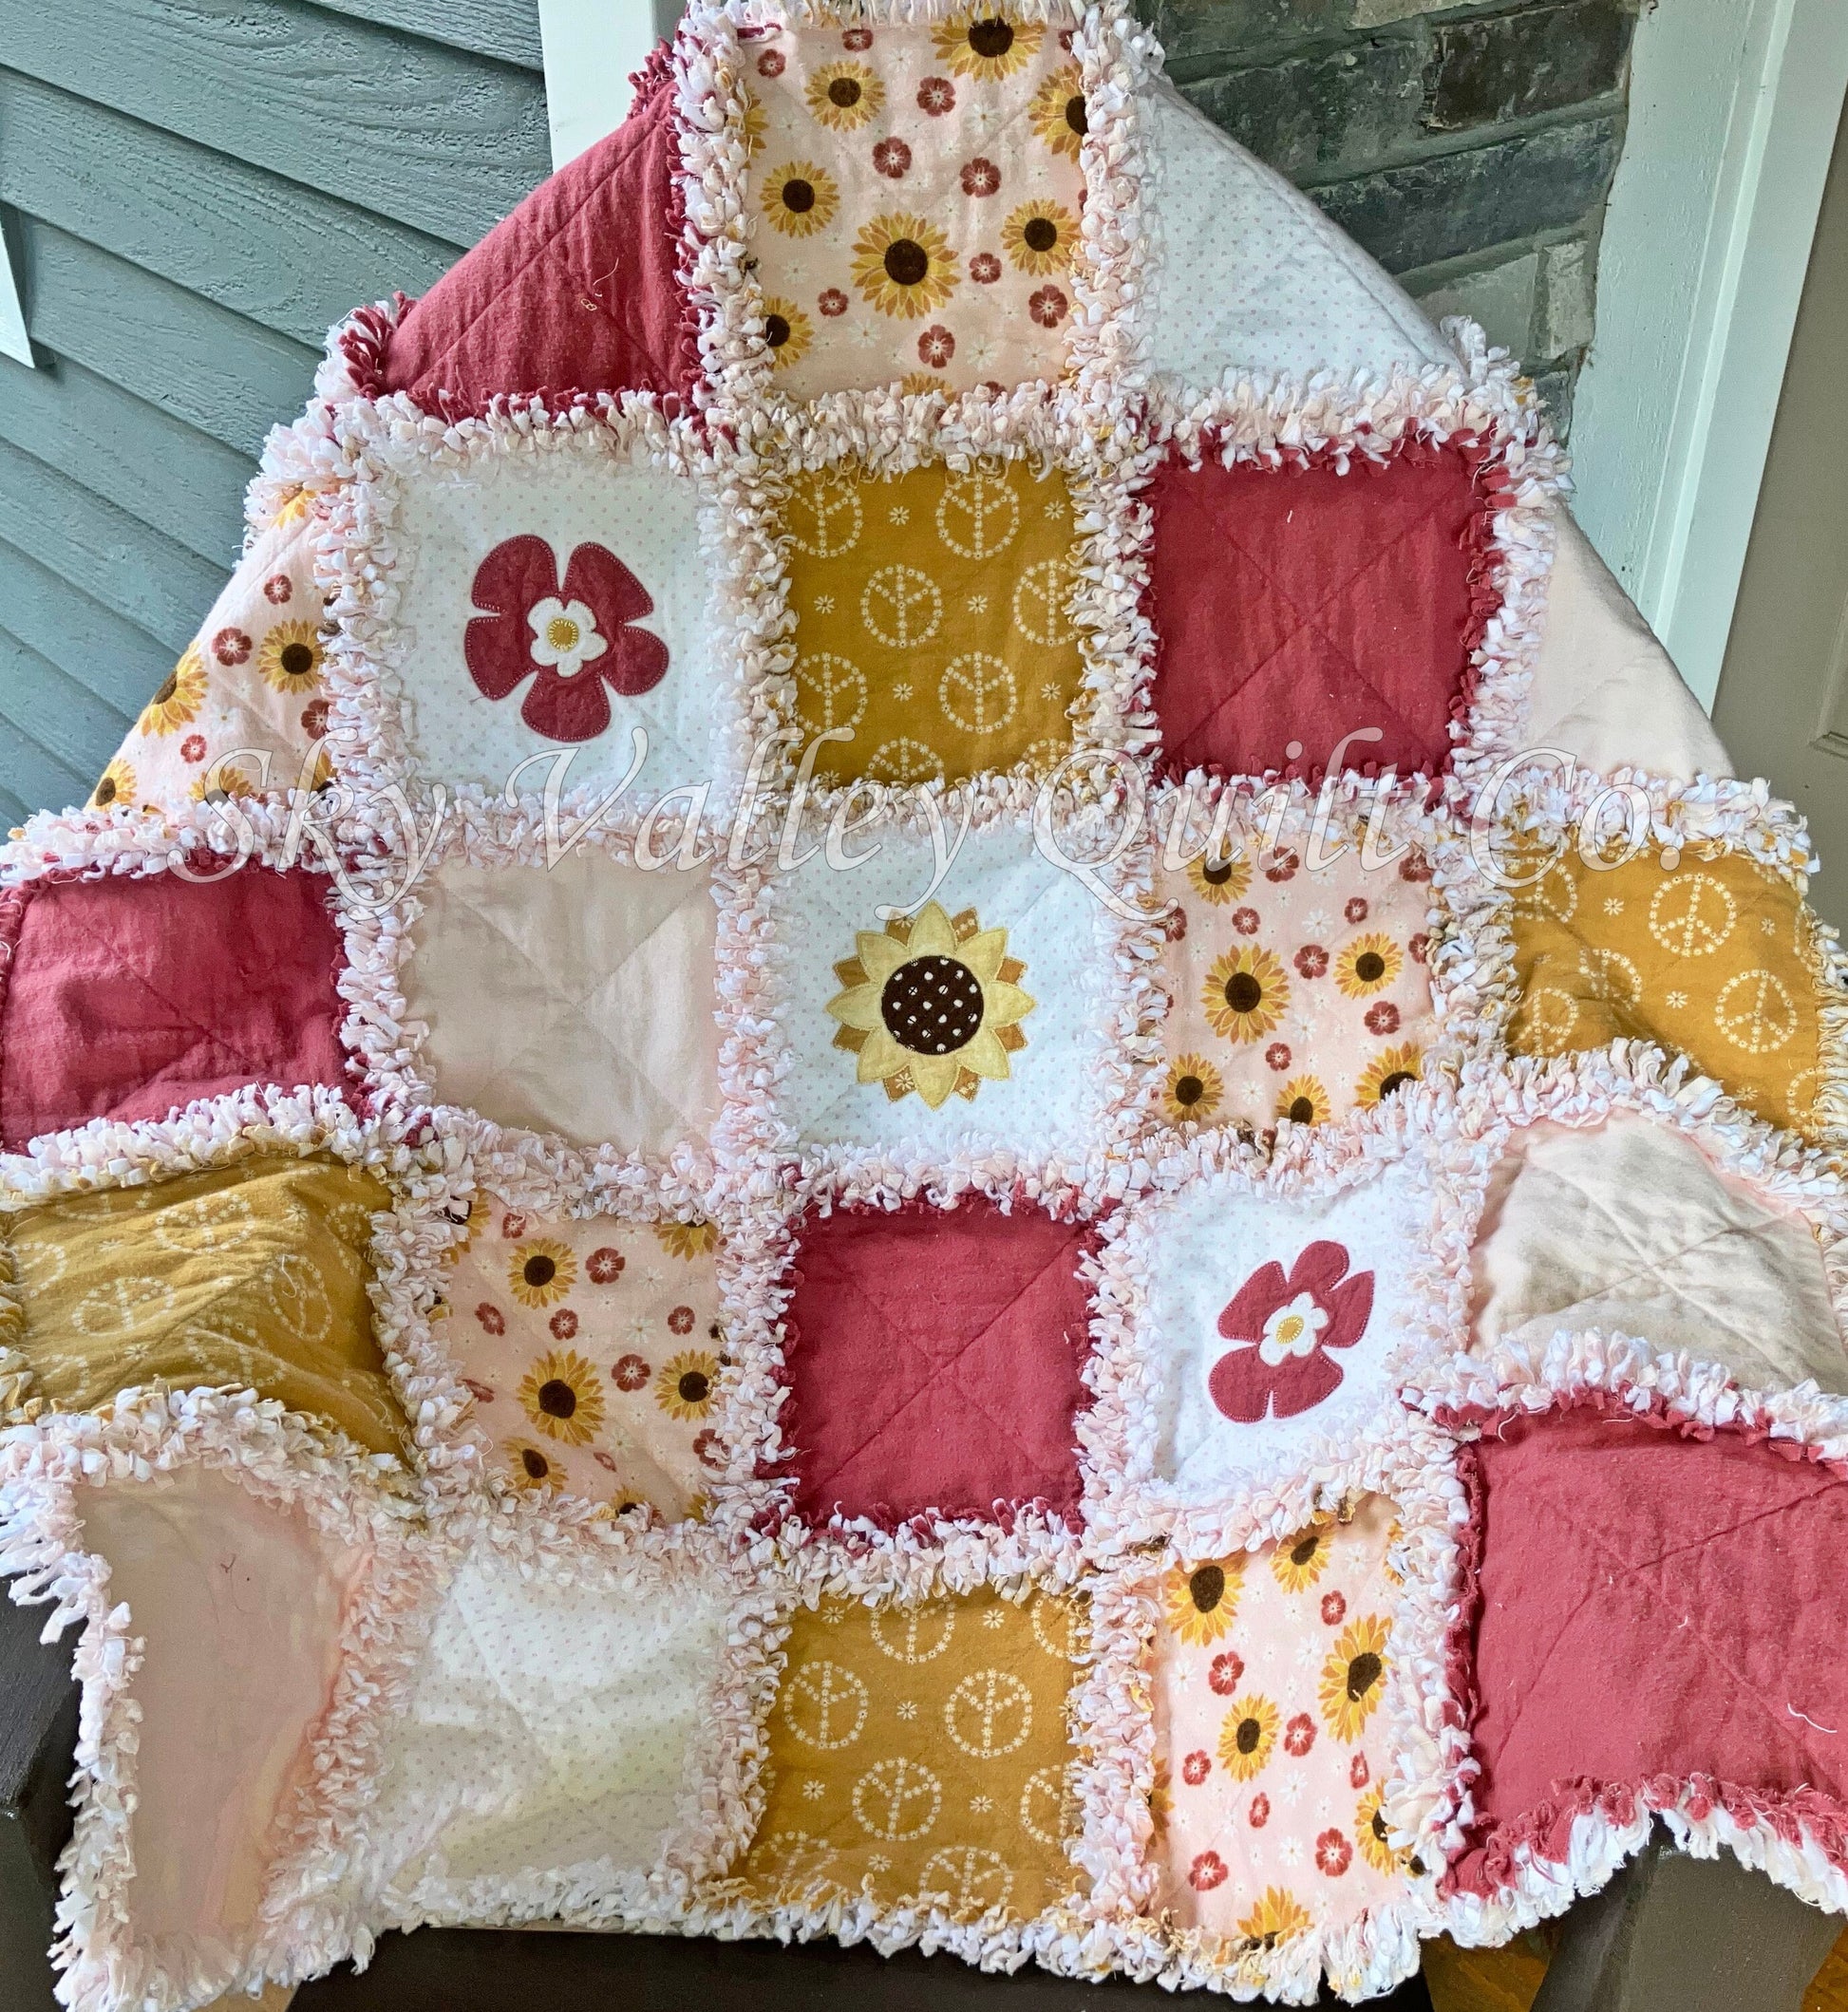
(193, 748)
(1359, 1774)
(856, 39)
(985, 269)
(277, 589)
(563, 1324)
(1207, 1871)
(936, 95)
(1356, 910)
(1259, 1813)
(1333, 1854)
(574, 641)
(936, 347)
(1223, 1673)
(681, 1320)
(491, 1318)
(1048, 307)
(1334, 1609)
(1277, 1055)
(1299, 1735)
(1195, 1768)
(1382, 1017)
(1312, 961)
(1246, 921)
(831, 301)
(892, 158)
(231, 646)
(1285, 1327)
(770, 63)
(630, 1372)
(980, 177)
(604, 1265)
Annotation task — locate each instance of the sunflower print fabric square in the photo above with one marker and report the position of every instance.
(933, 619)
(916, 193)
(596, 1355)
(919, 1756)
(1268, 1669)
(252, 1276)
(1714, 956)
(1293, 994)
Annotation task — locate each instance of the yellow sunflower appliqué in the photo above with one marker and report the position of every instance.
(1375, 1839)
(177, 702)
(686, 1385)
(1039, 237)
(1304, 1101)
(800, 198)
(787, 331)
(1390, 1071)
(1245, 993)
(1198, 1605)
(1058, 111)
(1368, 964)
(541, 1272)
(983, 43)
(844, 95)
(1302, 1561)
(531, 1469)
(562, 1394)
(687, 1240)
(1247, 1736)
(115, 785)
(933, 1005)
(1277, 1916)
(290, 657)
(1191, 1091)
(1353, 1678)
(904, 265)
(1219, 881)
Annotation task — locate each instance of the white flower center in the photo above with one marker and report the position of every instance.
(565, 635)
(1293, 1329)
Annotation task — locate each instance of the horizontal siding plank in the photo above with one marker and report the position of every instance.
(29, 774)
(280, 254)
(76, 728)
(160, 586)
(89, 641)
(14, 810)
(506, 28)
(204, 366)
(132, 452)
(451, 141)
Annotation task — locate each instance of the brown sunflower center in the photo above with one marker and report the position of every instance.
(105, 790)
(776, 330)
(539, 1269)
(167, 690)
(1207, 1588)
(844, 91)
(1216, 872)
(1303, 1550)
(1075, 116)
(297, 660)
(693, 1387)
(906, 262)
(1301, 1111)
(1189, 1090)
(1039, 234)
(990, 39)
(1397, 1080)
(557, 1400)
(534, 1462)
(1369, 967)
(1243, 993)
(1249, 1732)
(1362, 1674)
(931, 1006)
(1378, 1824)
(798, 196)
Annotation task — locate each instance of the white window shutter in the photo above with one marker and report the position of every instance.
(591, 46)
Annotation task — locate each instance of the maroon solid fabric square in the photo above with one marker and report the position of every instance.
(577, 290)
(1295, 605)
(934, 1360)
(129, 998)
(1653, 1608)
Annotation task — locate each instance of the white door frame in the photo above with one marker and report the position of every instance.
(1733, 111)
(591, 46)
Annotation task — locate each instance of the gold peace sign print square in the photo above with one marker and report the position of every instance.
(919, 1753)
(933, 619)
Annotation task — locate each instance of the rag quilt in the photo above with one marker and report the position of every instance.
(923, 1087)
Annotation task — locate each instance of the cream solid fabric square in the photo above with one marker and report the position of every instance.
(239, 1604)
(1285, 1308)
(1048, 1098)
(552, 1724)
(576, 999)
(453, 520)
(1632, 1229)
(1246, 274)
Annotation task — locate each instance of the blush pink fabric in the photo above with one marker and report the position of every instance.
(577, 290)
(1652, 1608)
(1298, 605)
(933, 1361)
(130, 998)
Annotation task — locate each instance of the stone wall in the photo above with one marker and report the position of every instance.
(1469, 148)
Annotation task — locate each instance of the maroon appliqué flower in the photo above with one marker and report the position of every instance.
(1333, 1854)
(1246, 921)
(1335, 1608)
(980, 177)
(1223, 1672)
(1283, 866)
(1048, 307)
(681, 1320)
(193, 747)
(1312, 961)
(563, 1324)
(831, 301)
(513, 1224)
(277, 589)
(936, 95)
(1195, 1768)
(482, 1393)
(1259, 1813)
(491, 1318)
(1419, 948)
(1285, 1329)
(1359, 1774)
(985, 269)
(604, 1264)
(315, 722)
(1414, 867)
(856, 39)
(630, 1372)
(1277, 1055)
(708, 1450)
(574, 641)
(936, 347)
(1207, 1871)
(1356, 910)
(770, 63)
(1299, 1735)
(231, 646)
(892, 158)
(1382, 1018)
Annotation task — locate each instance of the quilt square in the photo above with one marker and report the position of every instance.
(975, 1019)
(1271, 1319)
(916, 196)
(919, 1756)
(130, 998)
(558, 1723)
(1298, 606)
(934, 1359)
(1267, 1671)
(252, 1276)
(1717, 957)
(596, 1355)
(1293, 994)
(932, 619)
(1630, 1228)
(1648, 1608)
(575, 1000)
(549, 601)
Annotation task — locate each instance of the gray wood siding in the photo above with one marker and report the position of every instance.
(192, 191)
